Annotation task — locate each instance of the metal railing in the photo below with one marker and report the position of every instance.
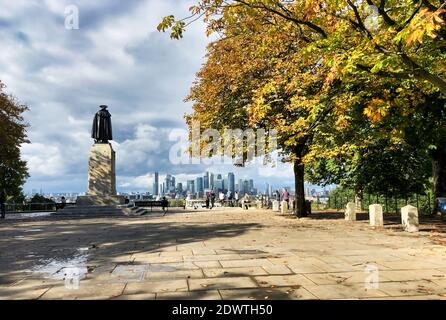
(424, 202)
(34, 207)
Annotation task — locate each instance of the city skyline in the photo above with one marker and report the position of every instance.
(142, 75)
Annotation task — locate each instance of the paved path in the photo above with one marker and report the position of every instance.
(227, 254)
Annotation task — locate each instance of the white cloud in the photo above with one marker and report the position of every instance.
(117, 58)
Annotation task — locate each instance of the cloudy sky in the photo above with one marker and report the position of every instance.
(118, 58)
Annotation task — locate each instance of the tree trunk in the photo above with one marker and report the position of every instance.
(299, 170)
(439, 174)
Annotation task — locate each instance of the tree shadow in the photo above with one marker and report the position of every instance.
(23, 245)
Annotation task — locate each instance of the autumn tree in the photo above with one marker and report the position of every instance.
(339, 57)
(13, 170)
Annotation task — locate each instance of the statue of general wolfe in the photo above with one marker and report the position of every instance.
(101, 131)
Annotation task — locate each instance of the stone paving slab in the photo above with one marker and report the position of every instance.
(88, 292)
(221, 283)
(277, 270)
(246, 263)
(229, 254)
(285, 293)
(283, 281)
(233, 272)
(411, 288)
(195, 295)
(177, 274)
(159, 286)
(343, 291)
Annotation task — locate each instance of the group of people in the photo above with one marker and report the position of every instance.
(285, 196)
(231, 199)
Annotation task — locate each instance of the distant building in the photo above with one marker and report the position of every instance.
(206, 180)
(191, 186)
(246, 187)
(155, 189)
(211, 181)
(199, 186)
(218, 183)
(231, 182)
(240, 186)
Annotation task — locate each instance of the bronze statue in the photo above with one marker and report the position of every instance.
(102, 128)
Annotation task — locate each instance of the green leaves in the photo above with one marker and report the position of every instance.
(166, 23)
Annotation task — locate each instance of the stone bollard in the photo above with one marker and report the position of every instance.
(350, 212)
(376, 215)
(276, 206)
(409, 218)
(259, 204)
(284, 207)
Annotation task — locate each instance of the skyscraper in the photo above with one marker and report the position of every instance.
(218, 183)
(172, 184)
(231, 182)
(155, 189)
(167, 183)
(251, 185)
(206, 180)
(199, 186)
(191, 186)
(211, 181)
(246, 186)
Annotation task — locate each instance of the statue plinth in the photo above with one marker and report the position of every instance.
(101, 178)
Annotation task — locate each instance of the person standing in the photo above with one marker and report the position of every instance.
(236, 197)
(64, 202)
(230, 199)
(207, 200)
(212, 199)
(221, 196)
(164, 205)
(286, 196)
(3, 203)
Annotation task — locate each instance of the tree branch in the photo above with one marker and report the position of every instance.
(360, 23)
(382, 11)
(288, 17)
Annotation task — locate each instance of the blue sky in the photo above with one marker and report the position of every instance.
(118, 58)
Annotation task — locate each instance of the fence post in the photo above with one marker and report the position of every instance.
(429, 200)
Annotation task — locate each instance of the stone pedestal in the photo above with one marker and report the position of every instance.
(409, 218)
(376, 215)
(101, 178)
(284, 207)
(350, 212)
(102, 174)
(276, 206)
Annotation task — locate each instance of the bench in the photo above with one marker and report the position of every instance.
(151, 204)
(247, 204)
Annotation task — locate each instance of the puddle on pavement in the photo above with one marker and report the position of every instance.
(59, 269)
